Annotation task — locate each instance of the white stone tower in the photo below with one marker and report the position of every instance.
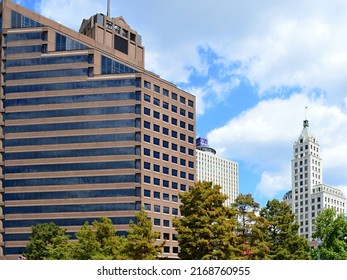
(306, 173)
(309, 196)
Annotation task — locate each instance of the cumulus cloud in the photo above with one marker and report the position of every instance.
(263, 137)
(271, 185)
(292, 43)
(70, 13)
(275, 44)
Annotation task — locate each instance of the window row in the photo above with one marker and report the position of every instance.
(70, 126)
(46, 74)
(130, 82)
(72, 208)
(174, 173)
(49, 60)
(306, 196)
(165, 105)
(10, 37)
(134, 192)
(165, 118)
(166, 144)
(84, 180)
(114, 110)
(334, 201)
(166, 250)
(165, 131)
(70, 139)
(70, 153)
(165, 92)
(162, 209)
(64, 221)
(167, 184)
(72, 167)
(158, 195)
(166, 157)
(63, 43)
(156, 221)
(72, 99)
(109, 66)
(165, 170)
(305, 147)
(20, 21)
(22, 49)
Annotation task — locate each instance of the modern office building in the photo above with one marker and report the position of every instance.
(86, 131)
(219, 171)
(309, 196)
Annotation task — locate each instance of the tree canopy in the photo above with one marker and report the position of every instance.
(282, 233)
(141, 241)
(206, 228)
(250, 228)
(98, 241)
(48, 241)
(331, 230)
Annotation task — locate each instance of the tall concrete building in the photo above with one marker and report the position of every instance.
(309, 196)
(217, 170)
(86, 130)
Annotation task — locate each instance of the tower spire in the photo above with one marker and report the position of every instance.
(306, 121)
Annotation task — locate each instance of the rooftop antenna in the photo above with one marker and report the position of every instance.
(108, 8)
(306, 121)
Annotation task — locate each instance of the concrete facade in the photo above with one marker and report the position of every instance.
(86, 130)
(217, 170)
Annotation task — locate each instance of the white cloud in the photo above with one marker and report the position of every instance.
(212, 93)
(200, 94)
(263, 138)
(276, 44)
(271, 185)
(291, 43)
(70, 13)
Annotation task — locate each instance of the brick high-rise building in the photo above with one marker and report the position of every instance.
(86, 130)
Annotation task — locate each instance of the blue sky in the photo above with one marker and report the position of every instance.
(254, 66)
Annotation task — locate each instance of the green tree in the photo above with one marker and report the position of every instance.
(250, 227)
(141, 240)
(111, 245)
(282, 233)
(99, 242)
(48, 241)
(206, 228)
(87, 247)
(332, 231)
